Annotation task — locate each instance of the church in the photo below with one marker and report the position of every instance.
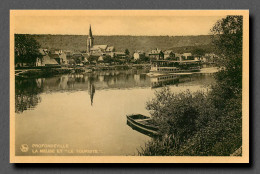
(97, 50)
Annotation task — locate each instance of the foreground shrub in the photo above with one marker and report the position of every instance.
(191, 124)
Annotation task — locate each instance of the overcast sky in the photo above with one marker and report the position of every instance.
(114, 25)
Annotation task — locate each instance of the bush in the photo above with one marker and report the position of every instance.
(190, 124)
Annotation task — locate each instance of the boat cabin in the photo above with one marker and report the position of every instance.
(175, 66)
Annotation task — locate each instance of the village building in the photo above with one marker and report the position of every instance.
(169, 54)
(139, 55)
(60, 57)
(85, 57)
(110, 49)
(178, 57)
(101, 59)
(156, 54)
(46, 60)
(64, 59)
(77, 57)
(119, 55)
(97, 50)
(56, 57)
(187, 56)
(209, 58)
(68, 53)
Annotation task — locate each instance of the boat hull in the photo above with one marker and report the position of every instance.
(135, 124)
(174, 71)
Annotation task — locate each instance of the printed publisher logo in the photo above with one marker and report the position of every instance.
(24, 148)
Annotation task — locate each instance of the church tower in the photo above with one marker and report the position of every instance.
(90, 40)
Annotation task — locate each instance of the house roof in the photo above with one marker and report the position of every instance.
(110, 48)
(63, 56)
(157, 51)
(168, 51)
(178, 55)
(53, 51)
(100, 58)
(43, 51)
(187, 54)
(54, 56)
(47, 60)
(85, 54)
(139, 51)
(97, 47)
(76, 55)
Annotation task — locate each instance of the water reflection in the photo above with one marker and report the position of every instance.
(164, 80)
(88, 111)
(26, 93)
(91, 89)
(27, 90)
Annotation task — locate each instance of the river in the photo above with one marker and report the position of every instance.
(87, 112)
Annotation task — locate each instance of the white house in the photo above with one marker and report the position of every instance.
(138, 54)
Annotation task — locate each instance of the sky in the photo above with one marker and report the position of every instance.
(116, 25)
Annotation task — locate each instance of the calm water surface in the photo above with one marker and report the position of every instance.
(88, 111)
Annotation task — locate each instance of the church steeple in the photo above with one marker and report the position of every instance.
(90, 33)
(90, 40)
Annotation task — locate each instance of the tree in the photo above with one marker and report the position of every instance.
(198, 52)
(127, 52)
(92, 58)
(108, 59)
(227, 39)
(161, 55)
(144, 59)
(78, 60)
(26, 49)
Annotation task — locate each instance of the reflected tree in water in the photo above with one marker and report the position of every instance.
(26, 93)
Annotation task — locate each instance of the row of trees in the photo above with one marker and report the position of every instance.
(204, 123)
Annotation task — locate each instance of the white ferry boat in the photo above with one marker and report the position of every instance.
(170, 66)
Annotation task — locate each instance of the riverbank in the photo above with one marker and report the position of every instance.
(33, 73)
(52, 71)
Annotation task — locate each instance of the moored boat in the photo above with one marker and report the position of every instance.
(169, 66)
(142, 124)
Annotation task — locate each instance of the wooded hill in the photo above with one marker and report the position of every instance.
(178, 44)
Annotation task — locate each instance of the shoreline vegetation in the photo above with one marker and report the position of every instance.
(194, 124)
(204, 123)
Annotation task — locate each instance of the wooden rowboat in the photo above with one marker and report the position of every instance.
(142, 124)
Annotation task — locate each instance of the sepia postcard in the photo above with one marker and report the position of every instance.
(129, 86)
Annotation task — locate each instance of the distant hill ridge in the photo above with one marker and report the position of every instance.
(121, 42)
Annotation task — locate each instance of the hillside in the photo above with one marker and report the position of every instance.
(146, 43)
